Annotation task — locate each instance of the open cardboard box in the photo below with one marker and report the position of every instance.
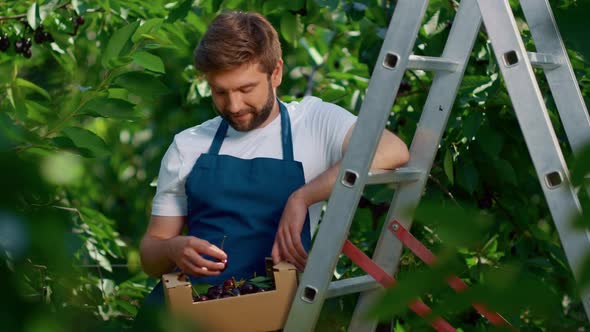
(266, 311)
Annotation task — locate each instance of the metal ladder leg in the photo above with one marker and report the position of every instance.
(562, 81)
(423, 149)
(383, 87)
(538, 133)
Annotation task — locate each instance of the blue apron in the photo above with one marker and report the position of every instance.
(242, 199)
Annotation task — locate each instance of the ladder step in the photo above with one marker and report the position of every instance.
(396, 176)
(540, 60)
(431, 63)
(543, 60)
(352, 285)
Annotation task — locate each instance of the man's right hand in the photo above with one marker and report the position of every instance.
(187, 253)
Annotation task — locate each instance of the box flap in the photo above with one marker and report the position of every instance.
(284, 266)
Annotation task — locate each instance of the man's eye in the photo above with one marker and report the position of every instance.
(247, 90)
(218, 92)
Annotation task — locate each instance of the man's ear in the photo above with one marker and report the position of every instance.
(277, 74)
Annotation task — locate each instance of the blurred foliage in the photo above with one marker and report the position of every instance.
(85, 121)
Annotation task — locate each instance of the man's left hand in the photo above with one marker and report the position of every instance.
(287, 245)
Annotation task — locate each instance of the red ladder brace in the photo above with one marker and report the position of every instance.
(457, 284)
(365, 263)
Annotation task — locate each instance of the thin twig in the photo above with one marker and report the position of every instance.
(445, 190)
(100, 276)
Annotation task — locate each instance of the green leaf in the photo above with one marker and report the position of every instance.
(110, 108)
(146, 28)
(581, 168)
(332, 4)
(142, 84)
(272, 6)
(128, 307)
(490, 141)
(471, 124)
(33, 16)
(289, 27)
(117, 62)
(455, 225)
(201, 288)
(333, 93)
(30, 85)
(467, 177)
(448, 166)
(295, 4)
(149, 61)
(118, 41)
(85, 139)
(180, 11)
(505, 171)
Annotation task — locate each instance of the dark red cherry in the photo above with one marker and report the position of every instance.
(229, 283)
(248, 289)
(4, 43)
(224, 264)
(80, 20)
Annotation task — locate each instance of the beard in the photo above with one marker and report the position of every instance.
(258, 115)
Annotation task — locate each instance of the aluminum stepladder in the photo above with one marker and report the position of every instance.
(394, 59)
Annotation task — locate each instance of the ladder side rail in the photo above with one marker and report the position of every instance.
(375, 110)
(537, 130)
(423, 148)
(562, 80)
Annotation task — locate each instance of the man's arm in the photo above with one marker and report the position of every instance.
(162, 248)
(391, 153)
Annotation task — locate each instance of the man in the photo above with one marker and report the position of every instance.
(248, 177)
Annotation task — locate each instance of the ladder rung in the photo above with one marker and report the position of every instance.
(396, 176)
(543, 60)
(431, 63)
(352, 285)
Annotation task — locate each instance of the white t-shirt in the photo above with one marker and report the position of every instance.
(318, 130)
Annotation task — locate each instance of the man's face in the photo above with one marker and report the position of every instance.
(244, 96)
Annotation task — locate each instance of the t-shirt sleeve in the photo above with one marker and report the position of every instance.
(170, 198)
(334, 122)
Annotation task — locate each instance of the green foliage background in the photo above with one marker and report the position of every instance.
(85, 122)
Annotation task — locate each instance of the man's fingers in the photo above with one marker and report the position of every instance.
(208, 264)
(196, 271)
(197, 260)
(297, 260)
(284, 250)
(298, 246)
(293, 239)
(276, 257)
(206, 248)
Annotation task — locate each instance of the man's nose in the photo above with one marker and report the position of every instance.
(234, 102)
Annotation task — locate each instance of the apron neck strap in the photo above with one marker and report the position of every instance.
(286, 137)
(218, 139)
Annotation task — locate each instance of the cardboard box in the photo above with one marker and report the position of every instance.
(266, 311)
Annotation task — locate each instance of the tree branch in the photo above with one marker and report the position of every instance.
(19, 16)
(445, 190)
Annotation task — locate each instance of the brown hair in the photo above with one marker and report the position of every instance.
(236, 38)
